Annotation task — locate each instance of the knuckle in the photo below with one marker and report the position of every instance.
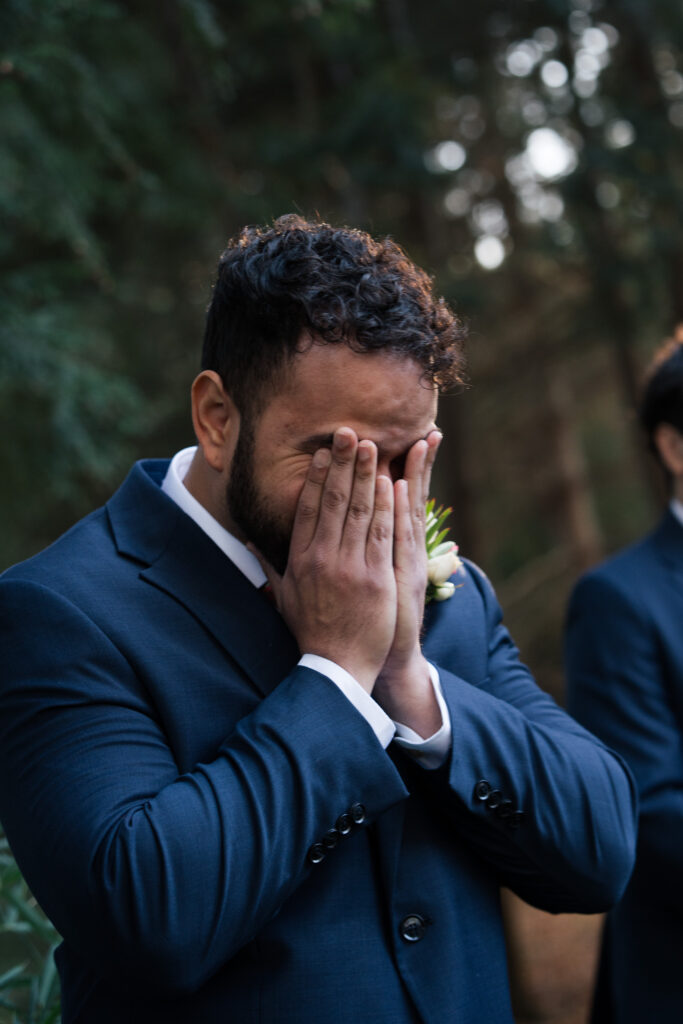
(344, 575)
(359, 510)
(342, 458)
(380, 532)
(333, 498)
(364, 470)
(307, 510)
(375, 586)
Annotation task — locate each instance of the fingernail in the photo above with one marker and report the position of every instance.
(363, 452)
(322, 458)
(342, 441)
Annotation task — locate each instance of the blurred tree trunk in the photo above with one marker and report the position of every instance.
(453, 478)
(552, 959)
(677, 287)
(570, 491)
(606, 271)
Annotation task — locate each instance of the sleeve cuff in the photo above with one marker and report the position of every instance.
(431, 752)
(380, 723)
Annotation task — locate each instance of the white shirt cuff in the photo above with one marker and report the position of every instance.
(377, 719)
(432, 752)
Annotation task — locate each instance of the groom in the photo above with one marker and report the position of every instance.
(296, 802)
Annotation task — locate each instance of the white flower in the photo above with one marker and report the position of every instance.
(442, 555)
(441, 566)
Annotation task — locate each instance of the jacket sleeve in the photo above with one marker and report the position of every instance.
(144, 870)
(617, 687)
(550, 808)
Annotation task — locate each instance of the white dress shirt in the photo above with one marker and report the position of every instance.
(431, 752)
(676, 507)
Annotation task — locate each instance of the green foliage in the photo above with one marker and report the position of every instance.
(29, 985)
(134, 146)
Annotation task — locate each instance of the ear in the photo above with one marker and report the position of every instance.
(216, 420)
(669, 442)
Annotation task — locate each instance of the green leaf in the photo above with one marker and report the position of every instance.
(32, 915)
(8, 979)
(48, 978)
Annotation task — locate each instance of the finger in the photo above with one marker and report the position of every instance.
(404, 534)
(336, 491)
(413, 475)
(362, 500)
(308, 506)
(380, 537)
(434, 440)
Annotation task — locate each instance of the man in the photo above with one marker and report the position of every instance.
(235, 809)
(625, 679)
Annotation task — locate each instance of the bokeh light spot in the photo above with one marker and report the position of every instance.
(554, 74)
(489, 252)
(619, 133)
(550, 155)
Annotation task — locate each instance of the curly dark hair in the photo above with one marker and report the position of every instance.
(300, 280)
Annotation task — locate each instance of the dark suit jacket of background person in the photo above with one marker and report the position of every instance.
(218, 834)
(625, 679)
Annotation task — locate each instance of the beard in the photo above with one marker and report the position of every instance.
(250, 509)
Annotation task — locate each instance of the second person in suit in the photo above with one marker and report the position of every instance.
(625, 683)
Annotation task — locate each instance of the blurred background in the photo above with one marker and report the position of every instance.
(527, 153)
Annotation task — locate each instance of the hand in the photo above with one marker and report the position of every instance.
(404, 687)
(338, 593)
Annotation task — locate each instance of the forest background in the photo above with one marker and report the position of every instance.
(527, 153)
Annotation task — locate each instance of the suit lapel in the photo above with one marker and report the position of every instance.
(668, 540)
(197, 573)
(668, 544)
(185, 563)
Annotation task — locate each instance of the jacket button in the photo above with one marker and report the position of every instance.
(357, 812)
(330, 839)
(504, 809)
(316, 854)
(412, 928)
(515, 819)
(495, 797)
(482, 790)
(343, 824)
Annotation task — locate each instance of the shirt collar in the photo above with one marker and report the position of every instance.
(676, 507)
(236, 551)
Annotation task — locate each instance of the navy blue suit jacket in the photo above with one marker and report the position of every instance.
(625, 677)
(166, 768)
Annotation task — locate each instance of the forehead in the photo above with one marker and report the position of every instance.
(382, 396)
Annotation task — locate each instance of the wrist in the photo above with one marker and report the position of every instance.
(408, 669)
(407, 695)
(361, 671)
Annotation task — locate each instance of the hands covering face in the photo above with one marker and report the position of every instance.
(355, 582)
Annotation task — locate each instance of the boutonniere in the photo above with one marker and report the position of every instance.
(442, 554)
